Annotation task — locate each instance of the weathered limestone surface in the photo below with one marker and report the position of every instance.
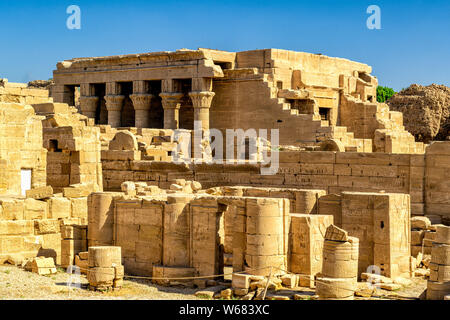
(21, 148)
(105, 267)
(339, 274)
(333, 172)
(439, 283)
(310, 98)
(381, 222)
(307, 238)
(73, 146)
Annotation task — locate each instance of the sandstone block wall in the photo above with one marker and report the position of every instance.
(423, 177)
(20, 93)
(30, 228)
(73, 145)
(381, 222)
(306, 245)
(20, 148)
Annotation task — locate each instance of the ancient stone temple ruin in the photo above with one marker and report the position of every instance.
(309, 98)
(95, 167)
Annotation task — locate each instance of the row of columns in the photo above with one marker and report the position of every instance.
(171, 95)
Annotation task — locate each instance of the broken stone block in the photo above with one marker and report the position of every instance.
(402, 281)
(226, 294)
(240, 292)
(422, 273)
(43, 266)
(240, 281)
(336, 234)
(176, 187)
(390, 286)
(129, 188)
(123, 140)
(375, 278)
(82, 264)
(421, 223)
(40, 193)
(84, 255)
(335, 288)
(196, 186)
(289, 280)
(79, 190)
(105, 256)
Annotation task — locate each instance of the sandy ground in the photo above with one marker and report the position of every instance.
(16, 283)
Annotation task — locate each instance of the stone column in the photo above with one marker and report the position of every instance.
(114, 105)
(141, 104)
(201, 101)
(171, 102)
(88, 100)
(88, 106)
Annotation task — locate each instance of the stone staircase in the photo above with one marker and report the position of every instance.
(323, 130)
(376, 121)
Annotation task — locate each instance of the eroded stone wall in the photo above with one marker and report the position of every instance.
(423, 177)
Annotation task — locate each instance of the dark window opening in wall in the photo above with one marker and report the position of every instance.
(224, 65)
(280, 84)
(186, 113)
(156, 109)
(53, 146)
(247, 148)
(101, 114)
(70, 95)
(370, 98)
(128, 113)
(324, 113)
(213, 150)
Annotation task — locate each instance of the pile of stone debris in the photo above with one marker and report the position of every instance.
(426, 111)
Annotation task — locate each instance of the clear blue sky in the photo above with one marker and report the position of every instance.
(412, 47)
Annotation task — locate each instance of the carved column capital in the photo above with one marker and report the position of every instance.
(141, 101)
(171, 100)
(201, 99)
(114, 102)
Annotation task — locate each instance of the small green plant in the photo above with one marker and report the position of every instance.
(384, 93)
(7, 271)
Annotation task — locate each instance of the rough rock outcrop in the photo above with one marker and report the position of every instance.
(426, 111)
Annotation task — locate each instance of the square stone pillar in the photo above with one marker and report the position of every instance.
(171, 102)
(201, 101)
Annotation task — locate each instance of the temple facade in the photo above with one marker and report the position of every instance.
(310, 98)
